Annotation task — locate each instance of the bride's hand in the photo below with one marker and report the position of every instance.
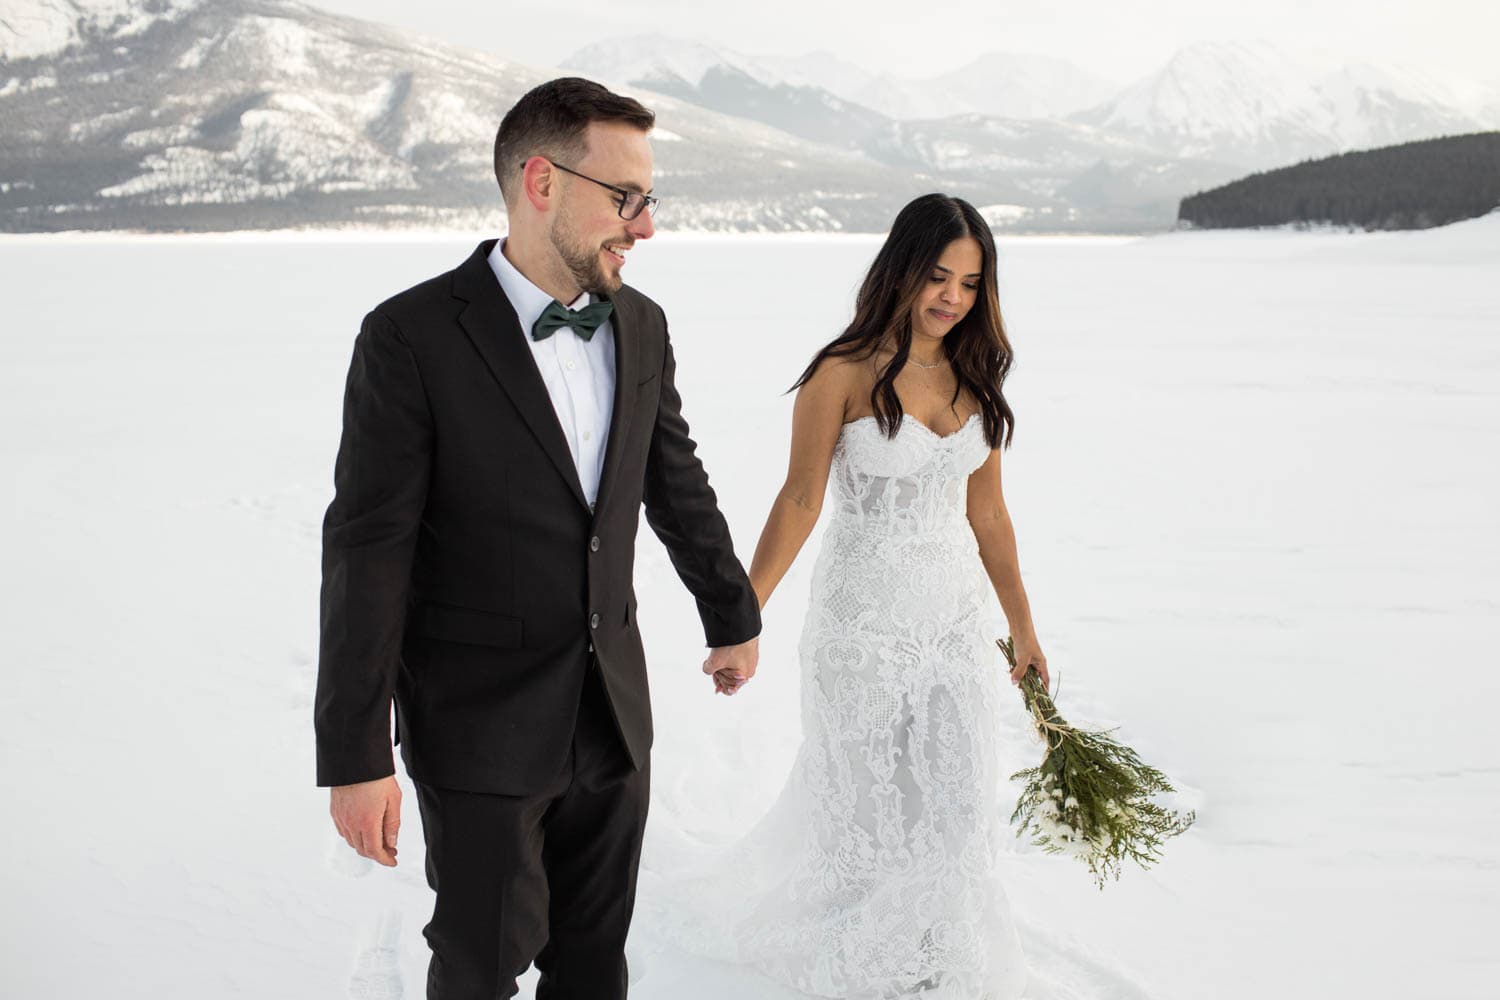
(1029, 654)
(732, 666)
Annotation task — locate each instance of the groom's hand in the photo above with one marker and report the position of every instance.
(368, 816)
(732, 666)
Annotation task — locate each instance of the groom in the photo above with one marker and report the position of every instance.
(504, 424)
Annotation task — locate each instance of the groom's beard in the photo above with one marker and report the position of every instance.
(584, 265)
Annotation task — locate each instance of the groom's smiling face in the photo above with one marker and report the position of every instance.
(587, 230)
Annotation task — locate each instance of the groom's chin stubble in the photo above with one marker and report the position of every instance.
(604, 281)
(593, 276)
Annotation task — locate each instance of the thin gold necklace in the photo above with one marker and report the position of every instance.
(936, 364)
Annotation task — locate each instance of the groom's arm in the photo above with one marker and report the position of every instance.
(369, 533)
(684, 512)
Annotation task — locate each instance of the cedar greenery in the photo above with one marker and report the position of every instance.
(1091, 796)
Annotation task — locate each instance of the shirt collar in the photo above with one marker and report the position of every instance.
(525, 297)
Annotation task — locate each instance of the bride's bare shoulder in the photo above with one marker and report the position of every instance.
(839, 381)
(841, 370)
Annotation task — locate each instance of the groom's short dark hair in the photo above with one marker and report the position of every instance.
(550, 119)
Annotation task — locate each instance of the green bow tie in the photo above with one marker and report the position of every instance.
(582, 321)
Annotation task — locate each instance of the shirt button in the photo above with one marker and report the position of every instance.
(594, 620)
(594, 544)
(570, 366)
(588, 435)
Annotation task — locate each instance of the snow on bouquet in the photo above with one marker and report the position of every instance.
(1091, 796)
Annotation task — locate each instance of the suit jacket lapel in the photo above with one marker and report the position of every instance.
(625, 322)
(490, 322)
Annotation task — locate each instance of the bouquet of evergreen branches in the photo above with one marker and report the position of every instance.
(1091, 795)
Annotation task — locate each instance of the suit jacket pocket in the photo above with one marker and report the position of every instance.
(641, 385)
(454, 624)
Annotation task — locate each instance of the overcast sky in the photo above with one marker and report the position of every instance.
(1118, 39)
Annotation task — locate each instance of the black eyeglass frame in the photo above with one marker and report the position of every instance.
(648, 202)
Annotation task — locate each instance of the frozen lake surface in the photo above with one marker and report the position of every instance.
(1254, 518)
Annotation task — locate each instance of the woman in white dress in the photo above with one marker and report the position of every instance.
(874, 875)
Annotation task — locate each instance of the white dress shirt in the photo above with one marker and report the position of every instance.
(579, 374)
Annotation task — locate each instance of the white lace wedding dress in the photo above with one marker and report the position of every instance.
(874, 875)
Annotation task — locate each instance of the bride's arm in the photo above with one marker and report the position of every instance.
(817, 417)
(997, 550)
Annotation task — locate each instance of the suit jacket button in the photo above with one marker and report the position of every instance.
(594, 544)
(594, 620)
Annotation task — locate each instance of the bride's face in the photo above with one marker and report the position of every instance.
(950, 291)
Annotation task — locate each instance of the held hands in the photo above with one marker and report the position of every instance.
(732, 666)
(368, 816)
(1029, 654)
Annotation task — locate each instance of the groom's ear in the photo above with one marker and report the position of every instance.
(539, 184)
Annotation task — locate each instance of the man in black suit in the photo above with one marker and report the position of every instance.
(504, 424)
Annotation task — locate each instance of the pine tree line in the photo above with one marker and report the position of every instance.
(1415, 185)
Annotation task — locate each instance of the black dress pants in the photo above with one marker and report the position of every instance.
(548, 878)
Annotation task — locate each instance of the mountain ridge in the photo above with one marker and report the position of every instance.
(175, 114)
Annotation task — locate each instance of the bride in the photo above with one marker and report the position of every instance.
(873, 877)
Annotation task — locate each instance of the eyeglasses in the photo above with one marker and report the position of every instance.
(629, 203)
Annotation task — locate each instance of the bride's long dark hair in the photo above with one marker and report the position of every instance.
(976, 347)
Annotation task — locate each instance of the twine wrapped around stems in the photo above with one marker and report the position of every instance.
(1091, 795)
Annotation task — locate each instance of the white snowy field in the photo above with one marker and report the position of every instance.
(1255, 522)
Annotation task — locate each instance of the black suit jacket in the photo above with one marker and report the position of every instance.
(463, 571)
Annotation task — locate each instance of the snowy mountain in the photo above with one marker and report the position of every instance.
(269, 113)
(1002, 84)
(266, 113)
(236, 113)
(998, 84)
(1254, 104)
(652, 60)
(1482, 101)
(985, 122)
(730, 83)
(31, 29)
(822, 69)
(1054, 167)
(179, 114)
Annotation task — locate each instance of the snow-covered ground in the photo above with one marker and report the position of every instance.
(1255, 521)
